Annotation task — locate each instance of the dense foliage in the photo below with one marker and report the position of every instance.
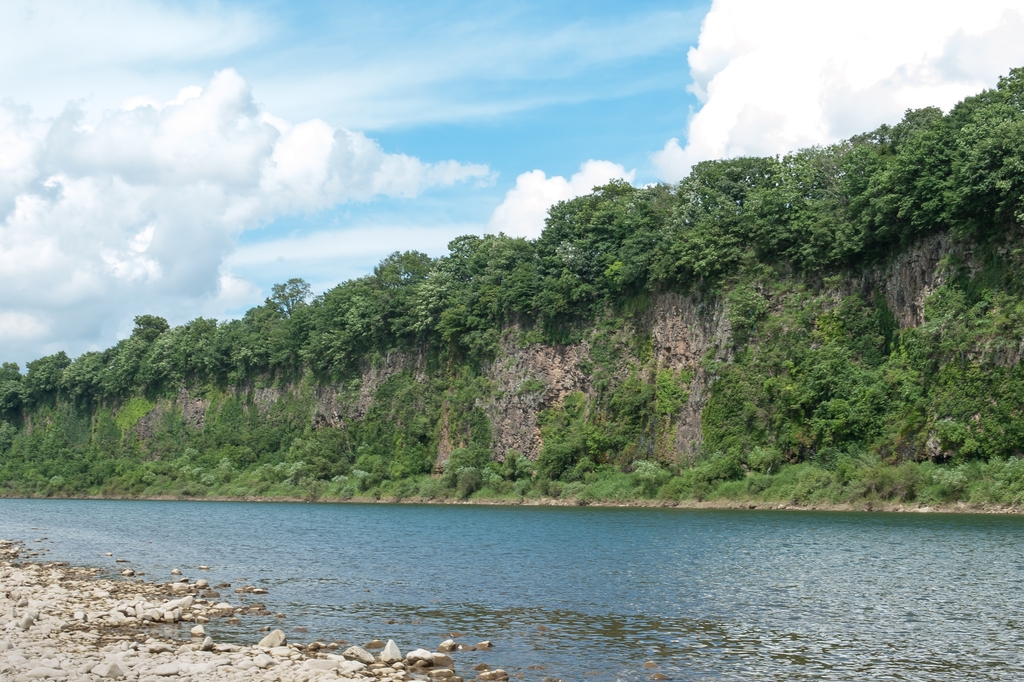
(820, 377)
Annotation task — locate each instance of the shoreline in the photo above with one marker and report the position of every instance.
(60, 622)
(745, 505)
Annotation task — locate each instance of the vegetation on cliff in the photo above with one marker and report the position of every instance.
(819, 389)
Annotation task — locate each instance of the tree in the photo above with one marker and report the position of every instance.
(289, 296)
(149, 327)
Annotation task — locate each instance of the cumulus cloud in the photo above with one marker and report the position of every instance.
(772, 77)
(522, 212)
(136, 211)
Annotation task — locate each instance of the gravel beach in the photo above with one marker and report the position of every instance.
(60, 622)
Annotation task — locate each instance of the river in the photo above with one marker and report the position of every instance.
(590, 593)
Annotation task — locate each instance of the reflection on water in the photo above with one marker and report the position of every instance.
(592, 593)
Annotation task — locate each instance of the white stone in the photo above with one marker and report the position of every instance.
(275, 638)
(391, 653)
(111, 670)
(166, 670)
(322, 664)
(420, 655)
(198, 631)
(263, 661)
(45, 674)
(358, 653)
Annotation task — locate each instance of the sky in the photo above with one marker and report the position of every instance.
(180, 157)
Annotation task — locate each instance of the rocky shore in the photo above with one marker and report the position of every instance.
(59, 622)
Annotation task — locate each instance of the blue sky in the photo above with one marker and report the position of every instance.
(556, 84)
(179, 158)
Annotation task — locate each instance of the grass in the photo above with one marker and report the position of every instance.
(859, 484)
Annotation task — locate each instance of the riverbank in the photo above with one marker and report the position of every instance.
(62, 622)
(862, 506)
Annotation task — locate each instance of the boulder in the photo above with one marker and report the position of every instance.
(391, 654)
(441, 674)
(442, 661)
(498, 675)
(45, 674)
(166, 670)
(446, 646)
(26, 621)
(274, 639)
(281, 652)
(202, 584)
(175, 571)
(374, 644)
(418, 655)
(108, 670)
(357, 653)
(207, 644)
(486, 644)
(322, 664)
(198, 631)
(346, 667)
(263, 661)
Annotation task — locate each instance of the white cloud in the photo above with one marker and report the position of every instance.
(21, 327)
(776, 76)
(136, 211)
(526, 205)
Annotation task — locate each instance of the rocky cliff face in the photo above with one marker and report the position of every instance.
(686, 330)
(530, 379)
(683, 332)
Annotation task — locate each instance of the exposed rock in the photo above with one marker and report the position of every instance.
(498, 675)
(391, 653)
(263, 661)
(109, 670)
(198, 631)
(275, 639)
(446, 646)
(442, 661)
(166, 670)
(42, 673)
(360, 654)
(417, 655)
(374, 644)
